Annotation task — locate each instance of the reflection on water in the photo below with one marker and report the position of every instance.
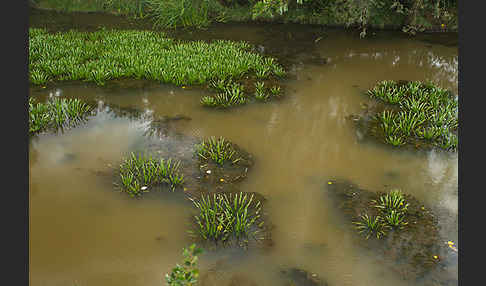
(83, 232)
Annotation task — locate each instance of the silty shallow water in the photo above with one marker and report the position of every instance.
(83, 232)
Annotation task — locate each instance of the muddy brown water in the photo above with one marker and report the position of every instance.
(83, 232)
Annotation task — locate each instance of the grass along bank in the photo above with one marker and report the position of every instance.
(110, 54)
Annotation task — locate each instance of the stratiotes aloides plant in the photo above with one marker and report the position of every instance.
(225, 216)
(187, 273)
(218, 150)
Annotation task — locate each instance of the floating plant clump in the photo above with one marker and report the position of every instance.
(218, 150)
(224, 216)
(371, 226)
(56, 114)
(230, 94)
(392, 209)
(139, 174)
(416, 113)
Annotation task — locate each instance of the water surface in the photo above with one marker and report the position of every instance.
(83, 232)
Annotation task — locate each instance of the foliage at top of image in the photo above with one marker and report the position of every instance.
(56, 114)
(419, 112)
(187, 273)
(112, 54)
(411, 16)
(139, 173)
(182, 13)
(223, 216)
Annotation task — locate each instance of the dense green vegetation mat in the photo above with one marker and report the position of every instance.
(112, 54)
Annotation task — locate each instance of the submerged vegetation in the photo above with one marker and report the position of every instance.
(56, 114)
(416, 113)
(187, 273)
(218, 150)
(223, 216)
(114, 54)
(138, 174)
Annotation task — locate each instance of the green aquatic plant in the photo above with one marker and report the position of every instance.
(279, 71)
(218, 150)
(222, 216)
(409, 121)
(139, 173)
(38, 77)
(234, 89)
(371, 226)
(386, 91)
(224, 100)
(387, 120)
(187, 273)
(219, 84)
(394, 140)
(232, 95)
(448, 142)
(426, 112)
(75, 55)
(275, 90)
(392, 201)
(38, 116)
(56, 114)
(395, 219)
(260, 93)
(429, 133)
(262, 72)
(415, 103)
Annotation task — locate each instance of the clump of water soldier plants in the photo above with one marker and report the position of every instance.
(392, 208)
(223, 216)
(263, 94)
(187, 273)
(218, 150)
(115, 54)
(56, 114)
(229, 94)
(411, 237)
(416, 113)
(139, 173)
